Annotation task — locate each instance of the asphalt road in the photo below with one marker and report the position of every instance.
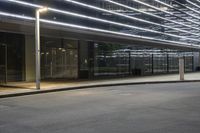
(157, 108)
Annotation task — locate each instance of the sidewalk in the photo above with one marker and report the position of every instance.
(27, 88)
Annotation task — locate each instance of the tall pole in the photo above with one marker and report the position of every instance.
(37, 48)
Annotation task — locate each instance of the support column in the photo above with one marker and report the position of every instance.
(181, 68)
(29, 58)
(196, 61)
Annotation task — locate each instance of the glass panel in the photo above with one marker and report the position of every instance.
(173, 62)
(160, 63)
(111, 60)
(147, 64)
(15, 58)
(59, 58)
(2, 63)
(188, 63)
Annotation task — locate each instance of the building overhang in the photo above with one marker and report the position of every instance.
(8, 24)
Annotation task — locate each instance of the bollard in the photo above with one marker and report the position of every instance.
(181, 68)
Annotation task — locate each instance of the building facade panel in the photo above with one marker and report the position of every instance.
(98, 38)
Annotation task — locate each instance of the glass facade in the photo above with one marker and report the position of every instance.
(59, 58)
(3, 63)
(175, 22)
(109, 60)
(72, 59)
(113, 59)
(100, 50)
(12, 56)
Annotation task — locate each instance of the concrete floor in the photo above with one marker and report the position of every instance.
(155, 108)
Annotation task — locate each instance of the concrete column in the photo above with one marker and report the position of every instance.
(196, 61)
(181, 68)
(30, 58)
(83, 59)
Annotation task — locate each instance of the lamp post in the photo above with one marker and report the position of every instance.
(37, 44)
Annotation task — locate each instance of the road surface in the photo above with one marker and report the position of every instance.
(148, 108)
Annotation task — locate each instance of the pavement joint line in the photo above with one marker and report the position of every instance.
(34, 91)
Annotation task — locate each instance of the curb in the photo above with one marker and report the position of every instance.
(90, 86)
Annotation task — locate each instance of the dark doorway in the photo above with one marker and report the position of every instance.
(12, 57)
(3, 63)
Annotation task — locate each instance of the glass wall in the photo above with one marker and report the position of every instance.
(175, 22)
(110, 60)
(3, 50)
(173, 60)
(12, 56)
(114, 59)
(160, 63)
(188, 63)
(59, 58)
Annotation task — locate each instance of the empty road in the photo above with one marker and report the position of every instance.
(148, 108)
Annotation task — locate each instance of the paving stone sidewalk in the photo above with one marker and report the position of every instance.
(18, 88)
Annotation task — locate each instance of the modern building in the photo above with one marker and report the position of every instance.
(98, 38)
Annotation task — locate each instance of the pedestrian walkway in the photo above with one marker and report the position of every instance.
(48, 86)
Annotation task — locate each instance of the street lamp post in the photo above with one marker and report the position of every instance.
(37, 45)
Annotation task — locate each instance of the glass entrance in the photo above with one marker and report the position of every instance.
(59, 58)
(3, 63)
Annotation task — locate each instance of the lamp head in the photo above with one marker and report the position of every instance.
(43, 9)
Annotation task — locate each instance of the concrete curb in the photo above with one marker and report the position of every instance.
(89, 86)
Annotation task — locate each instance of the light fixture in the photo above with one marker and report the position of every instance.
(103, 10)
(42, 9)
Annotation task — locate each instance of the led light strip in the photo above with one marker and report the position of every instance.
(78, 15)
(104, 10)
(119, 14)
(120, 24)
(112, 32)
(194, 5)
(188, 7)
(106, 21)
(165, 4)
(198, 1)
(95, 29)
(122, 5)
(158, 9)
(24, 3)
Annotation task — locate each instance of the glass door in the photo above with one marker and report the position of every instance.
(59, 58)
(60, 63)
(3, 63)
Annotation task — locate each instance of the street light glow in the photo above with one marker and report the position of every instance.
(43, 9)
